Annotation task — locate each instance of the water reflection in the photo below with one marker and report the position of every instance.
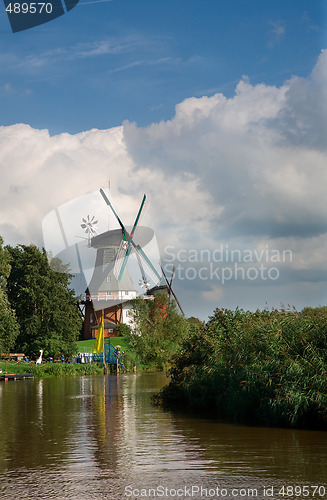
(91, 437)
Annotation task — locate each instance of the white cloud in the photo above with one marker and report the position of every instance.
(213, 295)
(246, 171)
(8, 88)
(276, 32)
(308, 23)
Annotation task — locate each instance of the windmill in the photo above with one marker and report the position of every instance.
(128, 244)
(170, 289)
(89, 227)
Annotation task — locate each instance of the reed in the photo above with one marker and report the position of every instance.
(263, 367)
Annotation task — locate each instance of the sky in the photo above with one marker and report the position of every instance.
(215, 109)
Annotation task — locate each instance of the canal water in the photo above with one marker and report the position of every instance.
(101, 438)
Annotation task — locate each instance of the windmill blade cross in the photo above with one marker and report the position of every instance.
(106, 199)
(146, 264)
(172, 277)
(121, 264)
(143, 276)
(119, 258)
(165, 276)
(130, 241)
(88, 225)
(178, 303)
(137, 217)
(147, 261)
(126, 246)
(124, 262)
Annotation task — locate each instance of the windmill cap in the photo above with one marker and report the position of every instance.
(113, 238)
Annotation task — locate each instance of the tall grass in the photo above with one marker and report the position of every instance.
(55, 369)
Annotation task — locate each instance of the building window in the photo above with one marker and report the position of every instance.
(108, 293)
(108, 279)
(91, 318)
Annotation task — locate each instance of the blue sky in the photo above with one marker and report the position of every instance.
(217, 110)
(106, 62)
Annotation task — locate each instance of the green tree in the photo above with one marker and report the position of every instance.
(8, 321)
(46, 307)
(157, 331)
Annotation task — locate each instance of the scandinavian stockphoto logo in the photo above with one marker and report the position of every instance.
(113, 261)
(225, 264)
(24, 14)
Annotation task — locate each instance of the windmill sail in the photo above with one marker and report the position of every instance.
(128, 245)
(120, 258)
(147, 266)
(170, 289)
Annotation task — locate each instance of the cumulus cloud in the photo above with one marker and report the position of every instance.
(255, 154)
(248, 171)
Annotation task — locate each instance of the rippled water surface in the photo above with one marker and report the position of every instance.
(100, 438)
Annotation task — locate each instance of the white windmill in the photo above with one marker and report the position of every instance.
(89, 227)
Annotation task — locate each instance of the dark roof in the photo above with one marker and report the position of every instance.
(157, 289)
(107, 239)
(143, 235)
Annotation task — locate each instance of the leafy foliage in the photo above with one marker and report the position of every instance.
(8, 324)
(158, 329)
(263, 367)
(46, 308)
(8, 321)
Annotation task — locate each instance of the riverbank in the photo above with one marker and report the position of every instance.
(59, 369)
(51, 369)
(267, 367)
(130, 357)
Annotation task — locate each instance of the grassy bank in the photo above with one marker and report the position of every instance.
(130, 357)
(88, 345)
(257, 367)
(63, 369)
(52, 369)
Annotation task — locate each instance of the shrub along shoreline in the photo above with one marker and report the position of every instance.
(261, 368)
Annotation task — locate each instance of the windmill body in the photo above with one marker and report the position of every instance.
(105, 292)
(104, 286)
